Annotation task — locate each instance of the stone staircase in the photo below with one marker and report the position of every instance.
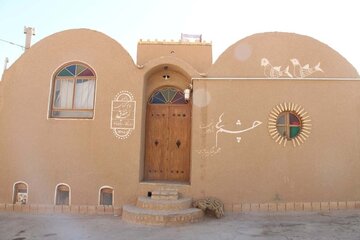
(163, 208)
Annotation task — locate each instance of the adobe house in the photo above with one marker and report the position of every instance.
(270, 125)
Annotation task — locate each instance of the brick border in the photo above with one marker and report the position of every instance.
(62, 209)
(292, 206)
(235, 207)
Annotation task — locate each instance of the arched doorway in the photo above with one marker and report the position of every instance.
(168, 131)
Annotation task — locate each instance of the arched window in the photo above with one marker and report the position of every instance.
(62, 194)
(167, 95)
(73, 92)
(20, 193)
(106, 196)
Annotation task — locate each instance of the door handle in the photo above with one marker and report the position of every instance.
(178, 143)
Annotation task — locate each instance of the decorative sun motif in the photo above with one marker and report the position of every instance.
(289, 122)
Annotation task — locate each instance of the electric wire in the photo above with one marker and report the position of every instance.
(18, 45)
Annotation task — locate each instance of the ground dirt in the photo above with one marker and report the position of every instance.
(288, 225)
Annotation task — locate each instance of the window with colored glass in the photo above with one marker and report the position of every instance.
(73, 92)
(167, 95)
(288, 125)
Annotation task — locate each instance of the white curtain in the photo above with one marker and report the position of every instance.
(84, 94)
(64, 94)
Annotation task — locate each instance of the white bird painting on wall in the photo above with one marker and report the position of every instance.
(304, 71)
(299, 71)
(274, 72)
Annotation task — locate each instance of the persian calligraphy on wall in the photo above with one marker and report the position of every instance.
(218, 128)
(123, 109)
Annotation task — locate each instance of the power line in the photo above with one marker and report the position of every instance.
(12, 43)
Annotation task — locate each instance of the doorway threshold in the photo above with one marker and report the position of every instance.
(166, 183)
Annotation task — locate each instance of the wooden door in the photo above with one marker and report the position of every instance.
(179, 143)
(156, 142)
(167, 153)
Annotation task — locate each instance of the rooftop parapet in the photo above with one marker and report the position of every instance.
(174, 42)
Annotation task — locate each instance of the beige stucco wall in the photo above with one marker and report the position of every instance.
(257, 169)
(1, 94)
(86, 155)
(198, 55)
(82, 153)
(243, 58)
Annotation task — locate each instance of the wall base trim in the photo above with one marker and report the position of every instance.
(235, 207)
(292, 206)
(62, 209)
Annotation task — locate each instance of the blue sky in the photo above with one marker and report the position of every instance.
(222, 22)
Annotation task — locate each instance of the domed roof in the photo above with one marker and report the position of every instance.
(278, 54)
(75, 43)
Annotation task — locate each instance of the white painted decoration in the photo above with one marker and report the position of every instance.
(298, 70)
(271, 71)
(220, 129)
(123, 109)
(209, 152)
(304, 71)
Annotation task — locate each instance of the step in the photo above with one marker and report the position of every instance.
(161, 204)
(165, 194)
(137, 215)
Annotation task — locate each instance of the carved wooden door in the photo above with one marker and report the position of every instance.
(167, 153)
(179, 143)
